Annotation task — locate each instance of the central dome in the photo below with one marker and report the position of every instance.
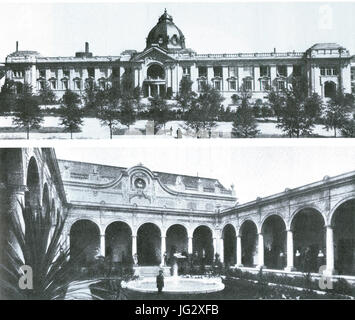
(166, 34)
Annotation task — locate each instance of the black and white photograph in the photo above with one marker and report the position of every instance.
(177, 70)
(124, 175)
(168, 222)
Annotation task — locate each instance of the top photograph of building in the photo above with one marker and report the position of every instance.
(160, 69)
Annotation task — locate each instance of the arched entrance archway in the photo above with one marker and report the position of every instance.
(33, 194)
(329, 89)
(176, 240)
(84, 242)
(249, 236)
(229, 245)
(155, 72)
(149, 244)
(308, 240)
(274, 232)
(202, 244)
(118, 240)
(343, 222)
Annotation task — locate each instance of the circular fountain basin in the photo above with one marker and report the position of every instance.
(176, 285)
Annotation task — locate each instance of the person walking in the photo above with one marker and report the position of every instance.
(160, 281)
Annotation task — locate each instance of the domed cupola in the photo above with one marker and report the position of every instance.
(166, 34)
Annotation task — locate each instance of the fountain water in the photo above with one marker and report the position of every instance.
(176, 283)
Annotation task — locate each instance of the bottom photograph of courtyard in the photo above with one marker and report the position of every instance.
(179, 221)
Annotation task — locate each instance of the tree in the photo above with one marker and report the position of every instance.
(108, 100)
(91, 97)
(244, 124)
(296, 112)
(185, 96)
(46, 95)
(204, 111)
(37, 241)
(158, 111)
(348, 129)
(7, 96)
(70, 113)
(27, 113)
(127, 114)
(337, 110)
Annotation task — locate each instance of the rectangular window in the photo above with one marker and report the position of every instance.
(248, 85)
(248, 71)
(186, 71)
(217, 72)
(282, 71)
(232, 85)
(335, 71)
(264, 71)
(77, 84)
(217, 85)
(329, 72)
(233, 72)
(281, 85)
(42, 85)
(297, 71)
(202, 72)
(265, 85)
(65, 85)
(200, 83)
(42, 73)
(18, 73)
(66, 73)
(53, 84)
(91, 72)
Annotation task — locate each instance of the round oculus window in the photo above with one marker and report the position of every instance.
(139, 183)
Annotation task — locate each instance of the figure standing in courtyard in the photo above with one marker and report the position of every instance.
(160, 281)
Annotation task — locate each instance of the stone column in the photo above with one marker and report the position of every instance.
(261, 250)
(214, 247)
(134, 245)
(162, 251)
(136, 77)
(225, 77)
(190, 247)
(102, 245)
(289, 253)
(330, 251)
(239, 251)
(210, 74)
(221, 250)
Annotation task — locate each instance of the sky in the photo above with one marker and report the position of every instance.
(61, 29)
(257, 169)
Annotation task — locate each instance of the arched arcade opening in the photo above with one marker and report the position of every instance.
(249, 237)
(229, 245)
(202, 244)
(84, 242)
(176, 241)
(308, 240)
(274, 233)
(118, 243)
(149, 245)
(343, 222)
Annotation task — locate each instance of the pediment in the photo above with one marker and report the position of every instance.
(155, 54)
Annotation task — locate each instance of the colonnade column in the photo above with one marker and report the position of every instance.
(134, 244)
(239, 251)
(260, 250)
(190, 247)
(162, 251)
(102, 245)
(330, 250)
(214, 247)
(289, 253)
(221, 249)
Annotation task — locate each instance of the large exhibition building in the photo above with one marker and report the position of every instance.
(159, 68)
